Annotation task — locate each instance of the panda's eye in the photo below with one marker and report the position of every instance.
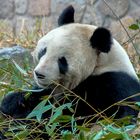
(42, 52)
(63, 65)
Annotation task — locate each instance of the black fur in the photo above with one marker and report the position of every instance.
(108, 88)
(42, 52)
(67, 16)
(63, 65)
(18, 107)
(101, 39)
(15, 104)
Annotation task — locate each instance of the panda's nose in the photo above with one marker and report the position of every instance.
(40, 76)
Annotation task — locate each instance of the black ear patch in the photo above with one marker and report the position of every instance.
(101, 39)
(63, 65)
(67, 16)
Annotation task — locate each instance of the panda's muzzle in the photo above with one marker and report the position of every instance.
(39, 76)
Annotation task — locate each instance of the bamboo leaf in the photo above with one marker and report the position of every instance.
(20, 69)
(134, 27)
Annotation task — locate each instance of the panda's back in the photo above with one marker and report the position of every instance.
(102, 91)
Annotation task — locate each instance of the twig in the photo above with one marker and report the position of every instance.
(121, 24)
(123, 44)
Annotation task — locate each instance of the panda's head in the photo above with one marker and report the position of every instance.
(69, 53)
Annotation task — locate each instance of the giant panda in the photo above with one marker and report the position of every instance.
(86, 60)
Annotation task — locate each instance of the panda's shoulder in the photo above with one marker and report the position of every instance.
(113, 83)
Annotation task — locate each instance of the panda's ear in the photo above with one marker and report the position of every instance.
(101, 40)
(67, 16)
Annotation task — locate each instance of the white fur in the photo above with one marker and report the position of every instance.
(116, 60)
(72, 41)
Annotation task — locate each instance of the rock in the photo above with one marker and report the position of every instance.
(39, 7)
(9, 52)
(91, 2)
(137, 46)
(135, 14)
(87, 18)
(92, 16)
(137, 1)
(58, 5)
(32, 24)
(6, 26)
(17, 53)
(120, 34)
(118, 31)
(6, 8)
(21, 6)
(24, 23)
(120, 7)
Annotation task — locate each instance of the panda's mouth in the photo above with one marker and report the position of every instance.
(45, 83)
(42, 85)
(41, 82)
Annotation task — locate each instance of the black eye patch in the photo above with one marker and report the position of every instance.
(42, 52)
(63, 65)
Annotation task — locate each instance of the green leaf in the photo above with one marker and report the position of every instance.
(21, 135)
(39, 110)
(50, 130)
(67, 135)
(55, 116)
(134, 27)
(117, 133)
(82, 136)
(73, 125)
(58, 112)
(9, 134)
(63, 118)
(20, 69)
(124, 121)
(81, 128)
(130, 127)
(126, 136)
(99, 135)
(112, 136)
(62, 107)
(138, 104)
(17, 127)
(113, 129)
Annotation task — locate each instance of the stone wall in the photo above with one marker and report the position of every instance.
(16, 16)
(20, 14)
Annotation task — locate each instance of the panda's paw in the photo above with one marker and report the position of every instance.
(14, 105)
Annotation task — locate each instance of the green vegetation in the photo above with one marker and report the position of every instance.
(16, 78)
